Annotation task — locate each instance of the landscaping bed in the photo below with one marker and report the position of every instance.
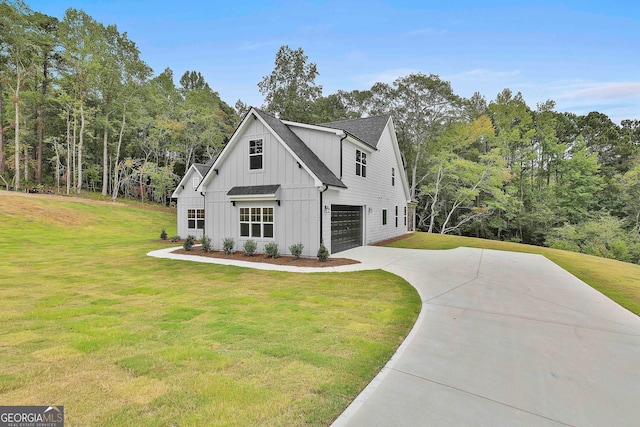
(282, 260)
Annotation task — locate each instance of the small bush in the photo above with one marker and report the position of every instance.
(249, 247)
(271, 249)
(163, 235)
(227, 245)
(206, 243)
(189, 242)
(323, 253)
(174, 239)
(296, 250)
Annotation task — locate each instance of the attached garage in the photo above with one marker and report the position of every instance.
(346, 227)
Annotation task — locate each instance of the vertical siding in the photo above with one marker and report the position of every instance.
(189, 199)
(374, 192)
(297, 217)
(325, 145)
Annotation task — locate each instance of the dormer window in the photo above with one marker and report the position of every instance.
(361, 163)
(255, 154)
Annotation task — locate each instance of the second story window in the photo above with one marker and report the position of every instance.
(361, 163)
(255, 154)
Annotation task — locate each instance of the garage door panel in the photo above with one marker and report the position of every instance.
(346, 227)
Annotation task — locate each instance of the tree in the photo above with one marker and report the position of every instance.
(422, 107)
(80, 35)
(17, 46)
(290, 90)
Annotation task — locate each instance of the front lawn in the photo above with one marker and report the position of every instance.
(90, 322)
(620, 281)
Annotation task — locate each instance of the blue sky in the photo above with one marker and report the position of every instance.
(585, 55)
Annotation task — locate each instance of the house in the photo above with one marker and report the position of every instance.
(190, 205)
(342, 184)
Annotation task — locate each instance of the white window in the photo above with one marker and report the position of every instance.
(396, 216)
(256, 222)
(195, 219)
(361, 163)
(196, 181)
(256, 154)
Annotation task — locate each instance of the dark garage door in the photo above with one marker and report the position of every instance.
(346, 227)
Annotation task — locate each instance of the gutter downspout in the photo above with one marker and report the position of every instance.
(341, 144)
(326, 187)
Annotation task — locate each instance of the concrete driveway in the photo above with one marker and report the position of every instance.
(503, 339)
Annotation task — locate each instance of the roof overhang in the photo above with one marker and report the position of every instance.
(254, 193)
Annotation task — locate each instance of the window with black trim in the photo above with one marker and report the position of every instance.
(384, 217)
(361, 163)
(256, 222)
(393, 177)
(396, 216)
(195, 219)
(405, 215)
(256, 154)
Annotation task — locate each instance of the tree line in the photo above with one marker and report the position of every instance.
(80, 109)
(495, 169)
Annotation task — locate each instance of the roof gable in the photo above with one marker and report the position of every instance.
(301, 150)
(368, 129)
(197, 168)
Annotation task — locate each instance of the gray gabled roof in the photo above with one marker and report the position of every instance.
(253, 190)
(202, 168)
(368, 129)
(304, 153)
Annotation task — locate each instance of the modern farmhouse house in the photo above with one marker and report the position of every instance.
(342, 184)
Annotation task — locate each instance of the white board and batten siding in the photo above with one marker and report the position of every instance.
(296, 219)
(374, 192)
(189, 198)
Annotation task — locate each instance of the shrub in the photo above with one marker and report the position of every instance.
(227, 245)
(163, 235)
(249, 247)
(323, 253)
(206, 243)
(174, 239)
(296, 249)
(271, 249)
(189, 242)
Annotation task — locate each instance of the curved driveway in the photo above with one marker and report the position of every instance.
(503, 339)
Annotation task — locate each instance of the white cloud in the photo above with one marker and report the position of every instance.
(386, 76)
(484, 75)
(606, 91)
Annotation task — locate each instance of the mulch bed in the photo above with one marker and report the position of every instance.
(282, 260)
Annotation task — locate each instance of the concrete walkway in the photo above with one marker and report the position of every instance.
(503, 338)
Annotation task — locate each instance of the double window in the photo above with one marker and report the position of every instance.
(361, 163)
(256, 154)
(256, 222)
(195, 219)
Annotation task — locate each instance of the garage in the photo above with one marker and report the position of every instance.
(346, 227)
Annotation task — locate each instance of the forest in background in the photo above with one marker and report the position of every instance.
(80, 109)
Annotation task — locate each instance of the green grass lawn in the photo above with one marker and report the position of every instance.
(620, 281)
(90, 322)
